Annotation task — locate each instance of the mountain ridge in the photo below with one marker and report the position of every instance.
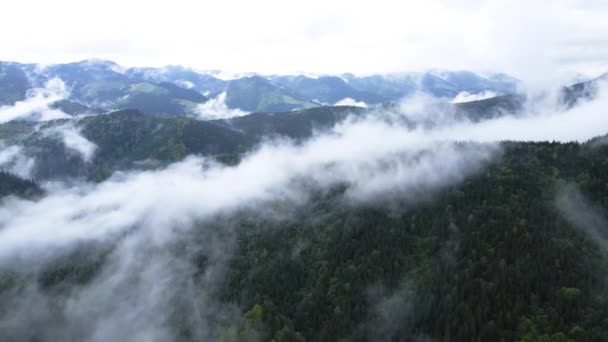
(106, 85)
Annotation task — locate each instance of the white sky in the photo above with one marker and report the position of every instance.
(527, 38)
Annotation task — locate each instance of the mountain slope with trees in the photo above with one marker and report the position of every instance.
(497, 257)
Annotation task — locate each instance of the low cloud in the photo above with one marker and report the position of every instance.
(185, 84)
(216, 108)
(74, 140)
(464, 96)
(543, 119)
(36, 106)
(350, 102)
(196, 188)
(389, 313)
(426, 109)
(582, 214)
(14, 160)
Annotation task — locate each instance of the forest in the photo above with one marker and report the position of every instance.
(510, 254)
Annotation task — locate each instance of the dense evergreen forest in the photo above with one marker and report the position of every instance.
(14, 185)
(489, 260)
(130, 139)
(510, 254)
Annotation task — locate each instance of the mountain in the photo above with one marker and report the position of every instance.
(160, 99)
(299, 124)
(473, 83)
(489, 259)
(486, 260)
(14, 84)
(100, 86)
(181, 76)
(74, 108)
(128, 139)
(394, 86)
(491, 108)
(131, 139)
(177, 90)
(391, 86)
(474, 111)
(573, 94)
(92, 82)
(125, 139)
(104, 84)
(14, 185)
(326, 89)
(258, 94)
(516, 251)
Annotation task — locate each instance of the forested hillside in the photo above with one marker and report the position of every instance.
(510, 254)
(497, 258)
(14, 185)
(131, 139)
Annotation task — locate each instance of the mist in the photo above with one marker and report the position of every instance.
(467, 97)
(350, 102)
(36, 106)
(139, 217)
(72, 138)
(216, 108)
(13, 159)
(579, 211)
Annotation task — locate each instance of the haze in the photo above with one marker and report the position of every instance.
(528, 39)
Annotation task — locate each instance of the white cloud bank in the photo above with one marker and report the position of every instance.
(185, 84)
(374, 155)
(216, 108)
(464, 96)
(350, 102)
(36, 106)
(73, 139)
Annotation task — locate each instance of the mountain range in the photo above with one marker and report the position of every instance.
(175, 90)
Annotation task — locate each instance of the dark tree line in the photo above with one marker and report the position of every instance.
(11, 184)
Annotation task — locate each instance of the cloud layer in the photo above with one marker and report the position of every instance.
(375, 154)
(216, 108)
(524, 38)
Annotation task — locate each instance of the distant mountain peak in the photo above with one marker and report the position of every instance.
(177, 90)
(103, 64)
(98, 61)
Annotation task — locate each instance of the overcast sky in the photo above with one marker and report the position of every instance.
(521, 37)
